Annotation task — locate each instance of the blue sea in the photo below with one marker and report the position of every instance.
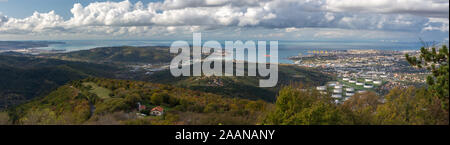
(286, 48)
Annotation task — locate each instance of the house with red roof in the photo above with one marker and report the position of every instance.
(157, 111)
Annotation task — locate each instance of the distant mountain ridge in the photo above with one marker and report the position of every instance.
(12, 45)
(121, 54)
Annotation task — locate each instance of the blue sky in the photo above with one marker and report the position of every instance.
(24, 8)
(321, 20)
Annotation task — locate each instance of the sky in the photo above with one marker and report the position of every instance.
(296, 20)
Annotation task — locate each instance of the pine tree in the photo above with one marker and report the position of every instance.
(438, 63)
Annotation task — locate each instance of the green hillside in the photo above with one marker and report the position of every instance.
(24, 78)
(79, 103)
(235, 87)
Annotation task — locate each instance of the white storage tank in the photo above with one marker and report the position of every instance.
(321, 88)
(336, 96)
(362, 91)
(349, 89)
(349, 94)
(377, 82)
(337, 91)
(368, 86)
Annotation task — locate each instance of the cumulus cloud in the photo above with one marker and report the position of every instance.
(427, 8)
(170, 16)
(3, 19)
(36, 23)
(181, 4)
(111, 14)
(440, 24)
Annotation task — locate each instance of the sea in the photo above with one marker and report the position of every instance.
(286, 49)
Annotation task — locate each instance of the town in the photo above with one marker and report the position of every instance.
(357, 71)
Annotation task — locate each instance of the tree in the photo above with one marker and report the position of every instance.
(438, 63)
(410, 106)
(157, 98)
(361, 108)
(132, 99)
(295, 106)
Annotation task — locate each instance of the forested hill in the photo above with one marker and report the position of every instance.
(108, 101)
(122, 54)
(23, 78)
(237, 87)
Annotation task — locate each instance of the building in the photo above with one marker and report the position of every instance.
(368, 86)
(377, 82)
(336, 96)
(157, 111)
(337, 91)
(141, 107)
(321, 88)
(349, 89)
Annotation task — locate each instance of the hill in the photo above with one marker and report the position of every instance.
(236, 87)
(12, 45)
(85, 102)
(121, 55)
(244, 87)
(24, 78)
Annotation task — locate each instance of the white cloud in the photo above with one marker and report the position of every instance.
(181, 16)
(3, 19)
(38, 22)
(427, 8)
(440, 24)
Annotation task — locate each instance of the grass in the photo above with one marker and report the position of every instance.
(101, 92)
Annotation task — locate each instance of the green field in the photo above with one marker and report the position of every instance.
(99, 91)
